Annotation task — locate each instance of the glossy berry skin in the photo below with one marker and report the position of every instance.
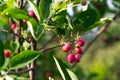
(77, 57)
(66, 47)
(81, 42)
(48, 74)
(78, 50)
(71, 58)
(31, 13)
(13, 26)
(7, 54)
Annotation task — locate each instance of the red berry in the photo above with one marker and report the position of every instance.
(77, 57)
(7, 54)
(98, 5)
(13, 26)
(116, 38)
(25, 21)
(48, 74)
(78, 50)
(105, 39)
(66, 47)
(31, 13)
(71, 58)
(81, 42)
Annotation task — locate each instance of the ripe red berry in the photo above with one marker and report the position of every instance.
(105, 39)
(117, 38)
(25, 21)
(31, 13)
(48, 74)
(71, 58)
(77, 57)
(78, 50)
(81, 42)
(13, 26)
(7, 54)
(98, 5)
(66, 47)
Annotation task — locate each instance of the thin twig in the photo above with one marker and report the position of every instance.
(44, 50)
(15, 35)
(51, 39)
(20, 72)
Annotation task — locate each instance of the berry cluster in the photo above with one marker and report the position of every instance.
(74, 55)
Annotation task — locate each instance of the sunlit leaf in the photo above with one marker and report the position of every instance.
(62, 69)
(23, 59)
(36, 29)
(34, 8)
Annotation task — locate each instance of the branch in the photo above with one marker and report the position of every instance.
(23, 71)
(15, 35)
(51, 39)
(44, 50)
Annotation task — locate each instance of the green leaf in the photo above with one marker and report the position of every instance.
(102, 21)
(62, 69)
(89, 17)
(85, 21)
(6, 62)
(17, 16)
(34, 8)
(36, 29)
(14, 45)
(45, 10)
(15, 13)
(2, 58)
(72, 75)
(22, 59)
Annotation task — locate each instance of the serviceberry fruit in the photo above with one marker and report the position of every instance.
(116, 38)
(25, 21)
(71, 57)
(77, 57)
(81, 42)
(48, 74)
(7, 54)
(78, 50)
(31, 13)
(13, 26)
(66, 47)
(105, 39)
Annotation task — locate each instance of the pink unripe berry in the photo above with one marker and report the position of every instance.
(77, 57)
(66, 47)
(7, 54)
(13, 26)
(31, 13)
(71, 58)
(25, 21)
(78, 50)
(81, 42)
(48, 74)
